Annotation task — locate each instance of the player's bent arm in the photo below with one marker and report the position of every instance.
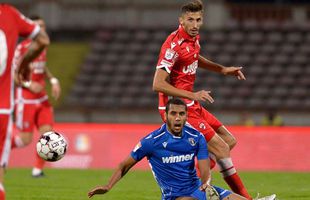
(161, 84)
(36, 47)
(204, 168)
(122, 169)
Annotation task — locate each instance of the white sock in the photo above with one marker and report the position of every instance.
(226, 167)
(1, 187)
(36, 171)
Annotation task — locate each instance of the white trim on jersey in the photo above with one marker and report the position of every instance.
(19, 108)
(6, 111)
(7, 144)
(159, 135)
(32, 101)
(35, 32)
(191, 134)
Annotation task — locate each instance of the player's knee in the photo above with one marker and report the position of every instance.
(232, 143)
(219, 148)
(26, 140)
(45, 128)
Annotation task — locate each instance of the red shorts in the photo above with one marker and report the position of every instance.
(201, 120)
(30, 115)
(5, 138)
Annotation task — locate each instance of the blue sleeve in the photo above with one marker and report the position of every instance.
(142, 149)
(202, 148)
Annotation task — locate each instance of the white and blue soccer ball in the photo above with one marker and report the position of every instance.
(52, 146)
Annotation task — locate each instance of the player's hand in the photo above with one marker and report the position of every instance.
(23, 73)
(204, 186)
(98, 190)
(203, 95)
(235, 71)
(56, 91)
(35, 87)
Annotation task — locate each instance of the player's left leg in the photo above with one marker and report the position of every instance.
(224, 160)
(44, 123)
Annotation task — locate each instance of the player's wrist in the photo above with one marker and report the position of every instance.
(26, 84)
(54, 81)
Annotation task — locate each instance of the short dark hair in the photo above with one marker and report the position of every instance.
(35, 17)
(175, 101)
(192, 6)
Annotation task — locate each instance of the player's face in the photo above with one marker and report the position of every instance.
(176, 118)
(191, 22)
(41, 23)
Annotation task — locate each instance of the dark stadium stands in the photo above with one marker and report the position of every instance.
(118, 72)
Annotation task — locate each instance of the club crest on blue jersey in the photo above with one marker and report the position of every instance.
(192, 141)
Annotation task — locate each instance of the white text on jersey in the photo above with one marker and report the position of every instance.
(180, 158)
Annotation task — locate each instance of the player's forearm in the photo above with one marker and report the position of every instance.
(35, 48)
(204, 167)
(169, 90)
(209, 65)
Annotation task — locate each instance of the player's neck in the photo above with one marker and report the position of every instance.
(179, 134)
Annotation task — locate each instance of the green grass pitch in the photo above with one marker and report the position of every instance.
(69, 184)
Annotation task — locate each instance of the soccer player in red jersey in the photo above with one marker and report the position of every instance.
(32, 106)
(175, 75)
(12, 25)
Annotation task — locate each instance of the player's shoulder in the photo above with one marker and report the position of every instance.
(173, 41)
(156, 134)
(7, 8)
(191, 131)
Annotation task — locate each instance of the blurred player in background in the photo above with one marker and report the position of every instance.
(171, 152)
(175, 75)
(12, 25)
(32, 106)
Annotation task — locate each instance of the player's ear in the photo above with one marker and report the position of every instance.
(165, 117)
(181, 20)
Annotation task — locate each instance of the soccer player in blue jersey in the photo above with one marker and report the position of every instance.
(171, 152)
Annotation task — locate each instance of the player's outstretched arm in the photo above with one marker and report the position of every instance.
(161, 84)
(122, 169)
(212, 66)
(36, 47)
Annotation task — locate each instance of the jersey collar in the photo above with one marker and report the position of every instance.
(186, 36)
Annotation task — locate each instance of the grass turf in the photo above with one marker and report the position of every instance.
(68, 184)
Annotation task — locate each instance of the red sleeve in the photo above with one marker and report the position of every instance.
(26, 27)
(167, 57)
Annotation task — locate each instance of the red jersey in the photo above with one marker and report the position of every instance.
(179, 57)
(12, 25)
(37, 67)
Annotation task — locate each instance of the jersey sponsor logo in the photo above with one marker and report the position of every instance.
(38, 67)
(192, 141)
(191, 69)
(176, 159)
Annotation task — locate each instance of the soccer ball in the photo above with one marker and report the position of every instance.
(52, 146)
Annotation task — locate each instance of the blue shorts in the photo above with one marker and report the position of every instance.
(200, 195)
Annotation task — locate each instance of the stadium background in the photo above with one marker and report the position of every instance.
(104, 53)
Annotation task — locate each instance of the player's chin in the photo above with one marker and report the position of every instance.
(177, 128)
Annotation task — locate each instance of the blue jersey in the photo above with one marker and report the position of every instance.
(172, 159)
